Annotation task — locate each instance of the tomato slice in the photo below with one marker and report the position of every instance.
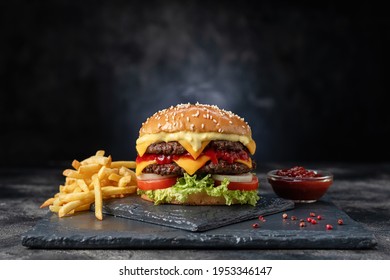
(247, 186)
(148, 185)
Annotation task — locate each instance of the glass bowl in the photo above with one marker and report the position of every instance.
(301, 189)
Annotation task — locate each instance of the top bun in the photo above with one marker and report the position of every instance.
(196, 118)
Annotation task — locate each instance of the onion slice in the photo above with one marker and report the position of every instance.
(242, 178)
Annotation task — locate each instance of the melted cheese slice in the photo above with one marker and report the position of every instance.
(192, 165)
(141, 166)
(193, 140)
(246, 162)
(251, 146)
(189, 148)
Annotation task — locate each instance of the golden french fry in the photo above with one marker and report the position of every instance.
(74, 174)
(98, 198)
(47, 202)
(69, 188)
(124, 171)
(127, 164)
(76, 196)
(57, 201)
(127, 172)
(100, 153)
(76, 164)
(95, 160)
(124, 181)
(90, 168)
(111, 190)
(114, 177)
(55, 208)
(81, 183)
(105, 182)
(102, 172)
(68, 207)
(69, 181)
(84, 207)
(109, 160)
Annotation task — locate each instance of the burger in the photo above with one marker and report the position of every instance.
(196, 154)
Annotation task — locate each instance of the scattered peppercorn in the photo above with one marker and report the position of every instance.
(261, 218)
(285, 216)
(301, 220)
(340, 221)
(312, 214)
(313, 222)
(293, 218)
(329, 227)
(255, 225)
(319, 217)
(302, 224)
(309, 220)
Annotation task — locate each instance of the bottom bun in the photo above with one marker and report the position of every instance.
(201, 198)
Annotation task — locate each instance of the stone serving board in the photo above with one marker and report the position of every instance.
(83, 231)
(192, 218)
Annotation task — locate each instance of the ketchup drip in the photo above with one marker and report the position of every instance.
(215, 155)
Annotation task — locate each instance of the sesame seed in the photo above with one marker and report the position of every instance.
(230, 122)
(188, 119)
(192, 126)
(214, 120)
(159, 125)
(202, 125)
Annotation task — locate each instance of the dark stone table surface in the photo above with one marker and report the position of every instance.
(360, 190)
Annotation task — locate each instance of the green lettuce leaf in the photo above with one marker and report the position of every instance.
(187, 185)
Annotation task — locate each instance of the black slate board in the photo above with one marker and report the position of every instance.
(192, 218)
(83, 231)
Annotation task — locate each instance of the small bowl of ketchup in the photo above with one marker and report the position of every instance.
(299, 184)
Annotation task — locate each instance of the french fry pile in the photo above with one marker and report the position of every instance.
(91, 181)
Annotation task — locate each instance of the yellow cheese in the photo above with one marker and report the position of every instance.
(246, 162)
(196, 140)
(251, 146)
(141, 166)
(189, 148)
(141, 148)
(192, 165)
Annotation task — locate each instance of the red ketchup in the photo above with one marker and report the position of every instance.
(300, 184)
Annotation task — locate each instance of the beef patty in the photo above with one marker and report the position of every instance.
(174, 148)
(222, 167)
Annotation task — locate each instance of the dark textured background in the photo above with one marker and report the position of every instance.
(77, 76)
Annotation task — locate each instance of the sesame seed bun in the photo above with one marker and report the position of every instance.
(197, 118)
